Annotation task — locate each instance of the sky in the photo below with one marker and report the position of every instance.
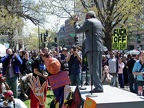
(51, 21)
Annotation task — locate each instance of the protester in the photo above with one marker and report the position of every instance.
(46, 51)
(125, 71)
(138, 69)
(3, 86)
(104, 60)
(74, 62)
(22, 67)
(11, 63)
(113, 69)
(106, 77)
(62, 59)
(40, 71)
(53, 66)
(120, 72)
(27, 74)
(132, 81)
(11, 102)
(56, 53)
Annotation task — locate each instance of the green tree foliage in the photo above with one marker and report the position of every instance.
(14, 12)
(32, 40)
(60, 8)
(27, 9)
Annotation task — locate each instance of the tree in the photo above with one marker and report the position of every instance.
(27, 9)
(32, 44)
(60, 8)
(13, 13)
(114, 13)
(32, 40)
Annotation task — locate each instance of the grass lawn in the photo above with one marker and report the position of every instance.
(50, 97)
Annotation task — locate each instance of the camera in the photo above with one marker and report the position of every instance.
(74, 48)
(13, 51)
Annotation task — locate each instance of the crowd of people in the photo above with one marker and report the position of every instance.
(122, 70)
(19, 67)
(118, 70)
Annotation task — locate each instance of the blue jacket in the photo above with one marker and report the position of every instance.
(137, 68)
(16, 61)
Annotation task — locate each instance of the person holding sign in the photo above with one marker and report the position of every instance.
(11, 102)
(40, 72)
(57, 78)
(94, 47)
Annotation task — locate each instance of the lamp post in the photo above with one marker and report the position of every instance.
(39, 38)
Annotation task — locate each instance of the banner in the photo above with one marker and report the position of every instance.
(89, 103)
(77, 99)
(119, 39)
(59, 80)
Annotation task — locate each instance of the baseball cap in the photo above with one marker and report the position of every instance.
(8, 93)
(64, 49)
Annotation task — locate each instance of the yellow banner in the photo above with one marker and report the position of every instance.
(119, 39)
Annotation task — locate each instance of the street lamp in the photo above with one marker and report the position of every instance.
(39, 36)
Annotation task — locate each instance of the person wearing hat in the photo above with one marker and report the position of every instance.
(93, 47)
(11, 102)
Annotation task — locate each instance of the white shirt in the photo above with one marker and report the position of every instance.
(121, 66)
(112, 65)
(18, 104)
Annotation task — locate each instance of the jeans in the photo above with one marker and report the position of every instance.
(121, 80)
(13, 84)
(132, 83)
(114, 80)
(75, 79)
